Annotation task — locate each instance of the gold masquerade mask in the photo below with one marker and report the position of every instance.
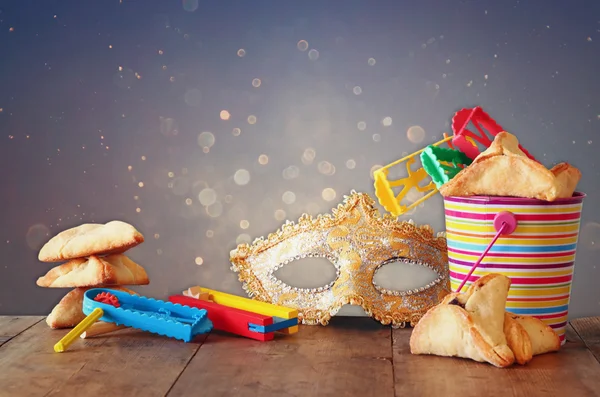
(358, 241)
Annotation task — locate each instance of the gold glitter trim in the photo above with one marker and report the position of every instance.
(358, 240)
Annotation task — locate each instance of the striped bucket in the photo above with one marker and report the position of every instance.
(539, 256)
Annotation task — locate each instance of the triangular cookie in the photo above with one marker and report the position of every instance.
(504, 170)
(68, 312)
(468, 325)
(567, 177)
(93, 271)
(542, 337)
(90, 239)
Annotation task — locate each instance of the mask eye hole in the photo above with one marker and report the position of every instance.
(312, 273)
(403, 276)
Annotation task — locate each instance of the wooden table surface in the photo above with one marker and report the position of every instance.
(350, 357)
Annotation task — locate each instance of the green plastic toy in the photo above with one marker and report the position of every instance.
(443, 164)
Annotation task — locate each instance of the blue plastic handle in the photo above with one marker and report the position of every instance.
(151, 315)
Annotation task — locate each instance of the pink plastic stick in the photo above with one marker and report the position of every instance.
(481, 257)
(505, 223)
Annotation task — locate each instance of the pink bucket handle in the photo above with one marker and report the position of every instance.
(505, 223)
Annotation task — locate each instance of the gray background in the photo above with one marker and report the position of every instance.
(98, 99)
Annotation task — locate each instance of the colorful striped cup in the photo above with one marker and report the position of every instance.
(539, 256)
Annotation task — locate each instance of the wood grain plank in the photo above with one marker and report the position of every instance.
(348, 357)
(11, 326)
(126, 363)
(588, 330)
(573, 371)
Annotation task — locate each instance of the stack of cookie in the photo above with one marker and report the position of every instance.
(93, 256)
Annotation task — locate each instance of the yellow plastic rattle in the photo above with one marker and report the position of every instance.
(69, 338)
(384, 188)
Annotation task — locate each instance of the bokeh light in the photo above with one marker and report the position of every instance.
(206, 139)
(308, 156)
(328, 194)
(291, 172)
(279, 215)
(199, 261)
(236, 131)
(263, 159)
(376, 138)
(256, 83)
(302, 45)
(361, 125)
(357, 90)
(373, 169)
(387, 121)
(313, 55)
(241, 53)
(252, 119)
(207, 197)
(241, 177)
(190, 5)
(244, 224)
(37, 235)
(243, 239)
(224, 115)
(371, 61)
(415, 134)
(350, 164)
(326, 168)
(215, 209)
(288, 197)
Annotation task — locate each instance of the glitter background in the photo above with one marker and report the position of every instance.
(206, 124)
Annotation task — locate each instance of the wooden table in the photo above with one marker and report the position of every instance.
(349, 357)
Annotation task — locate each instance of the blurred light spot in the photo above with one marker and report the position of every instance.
(170, 174)
(210, 233)
(236, 132)
(129, 168)
(159, 251)
(172, 79)
(228, 198)
(224, 115)
(193, 97)
(156, 236)
(373, 169)
(256, 83)
(485, 76)
(199, 261)
(160, 52)
(215, 209)
(313, 55)
(141, 184)
(241, 177)
(589, 142)
(279, 215)
(308, 156)
(313, 208)
(243, 239)
(328, 194)
(252, 119)
(291, 172)
(37, 235)
(188, 201)
(206, 149)
(11, 29)
(326, 168)
(371, 61)
(415, 134)
(207, 197)
(263, 159)
(143, 158)
(350, 164)
(138, 210)
(387, 121)
(357, 90)
(361, 125)
(288, 197)
(206, 139)
(302, 45)
(190, 6)
(241, 52)
(168, 126)
(244, 224)
(136, 197)
(590, 236)
(376, 137)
